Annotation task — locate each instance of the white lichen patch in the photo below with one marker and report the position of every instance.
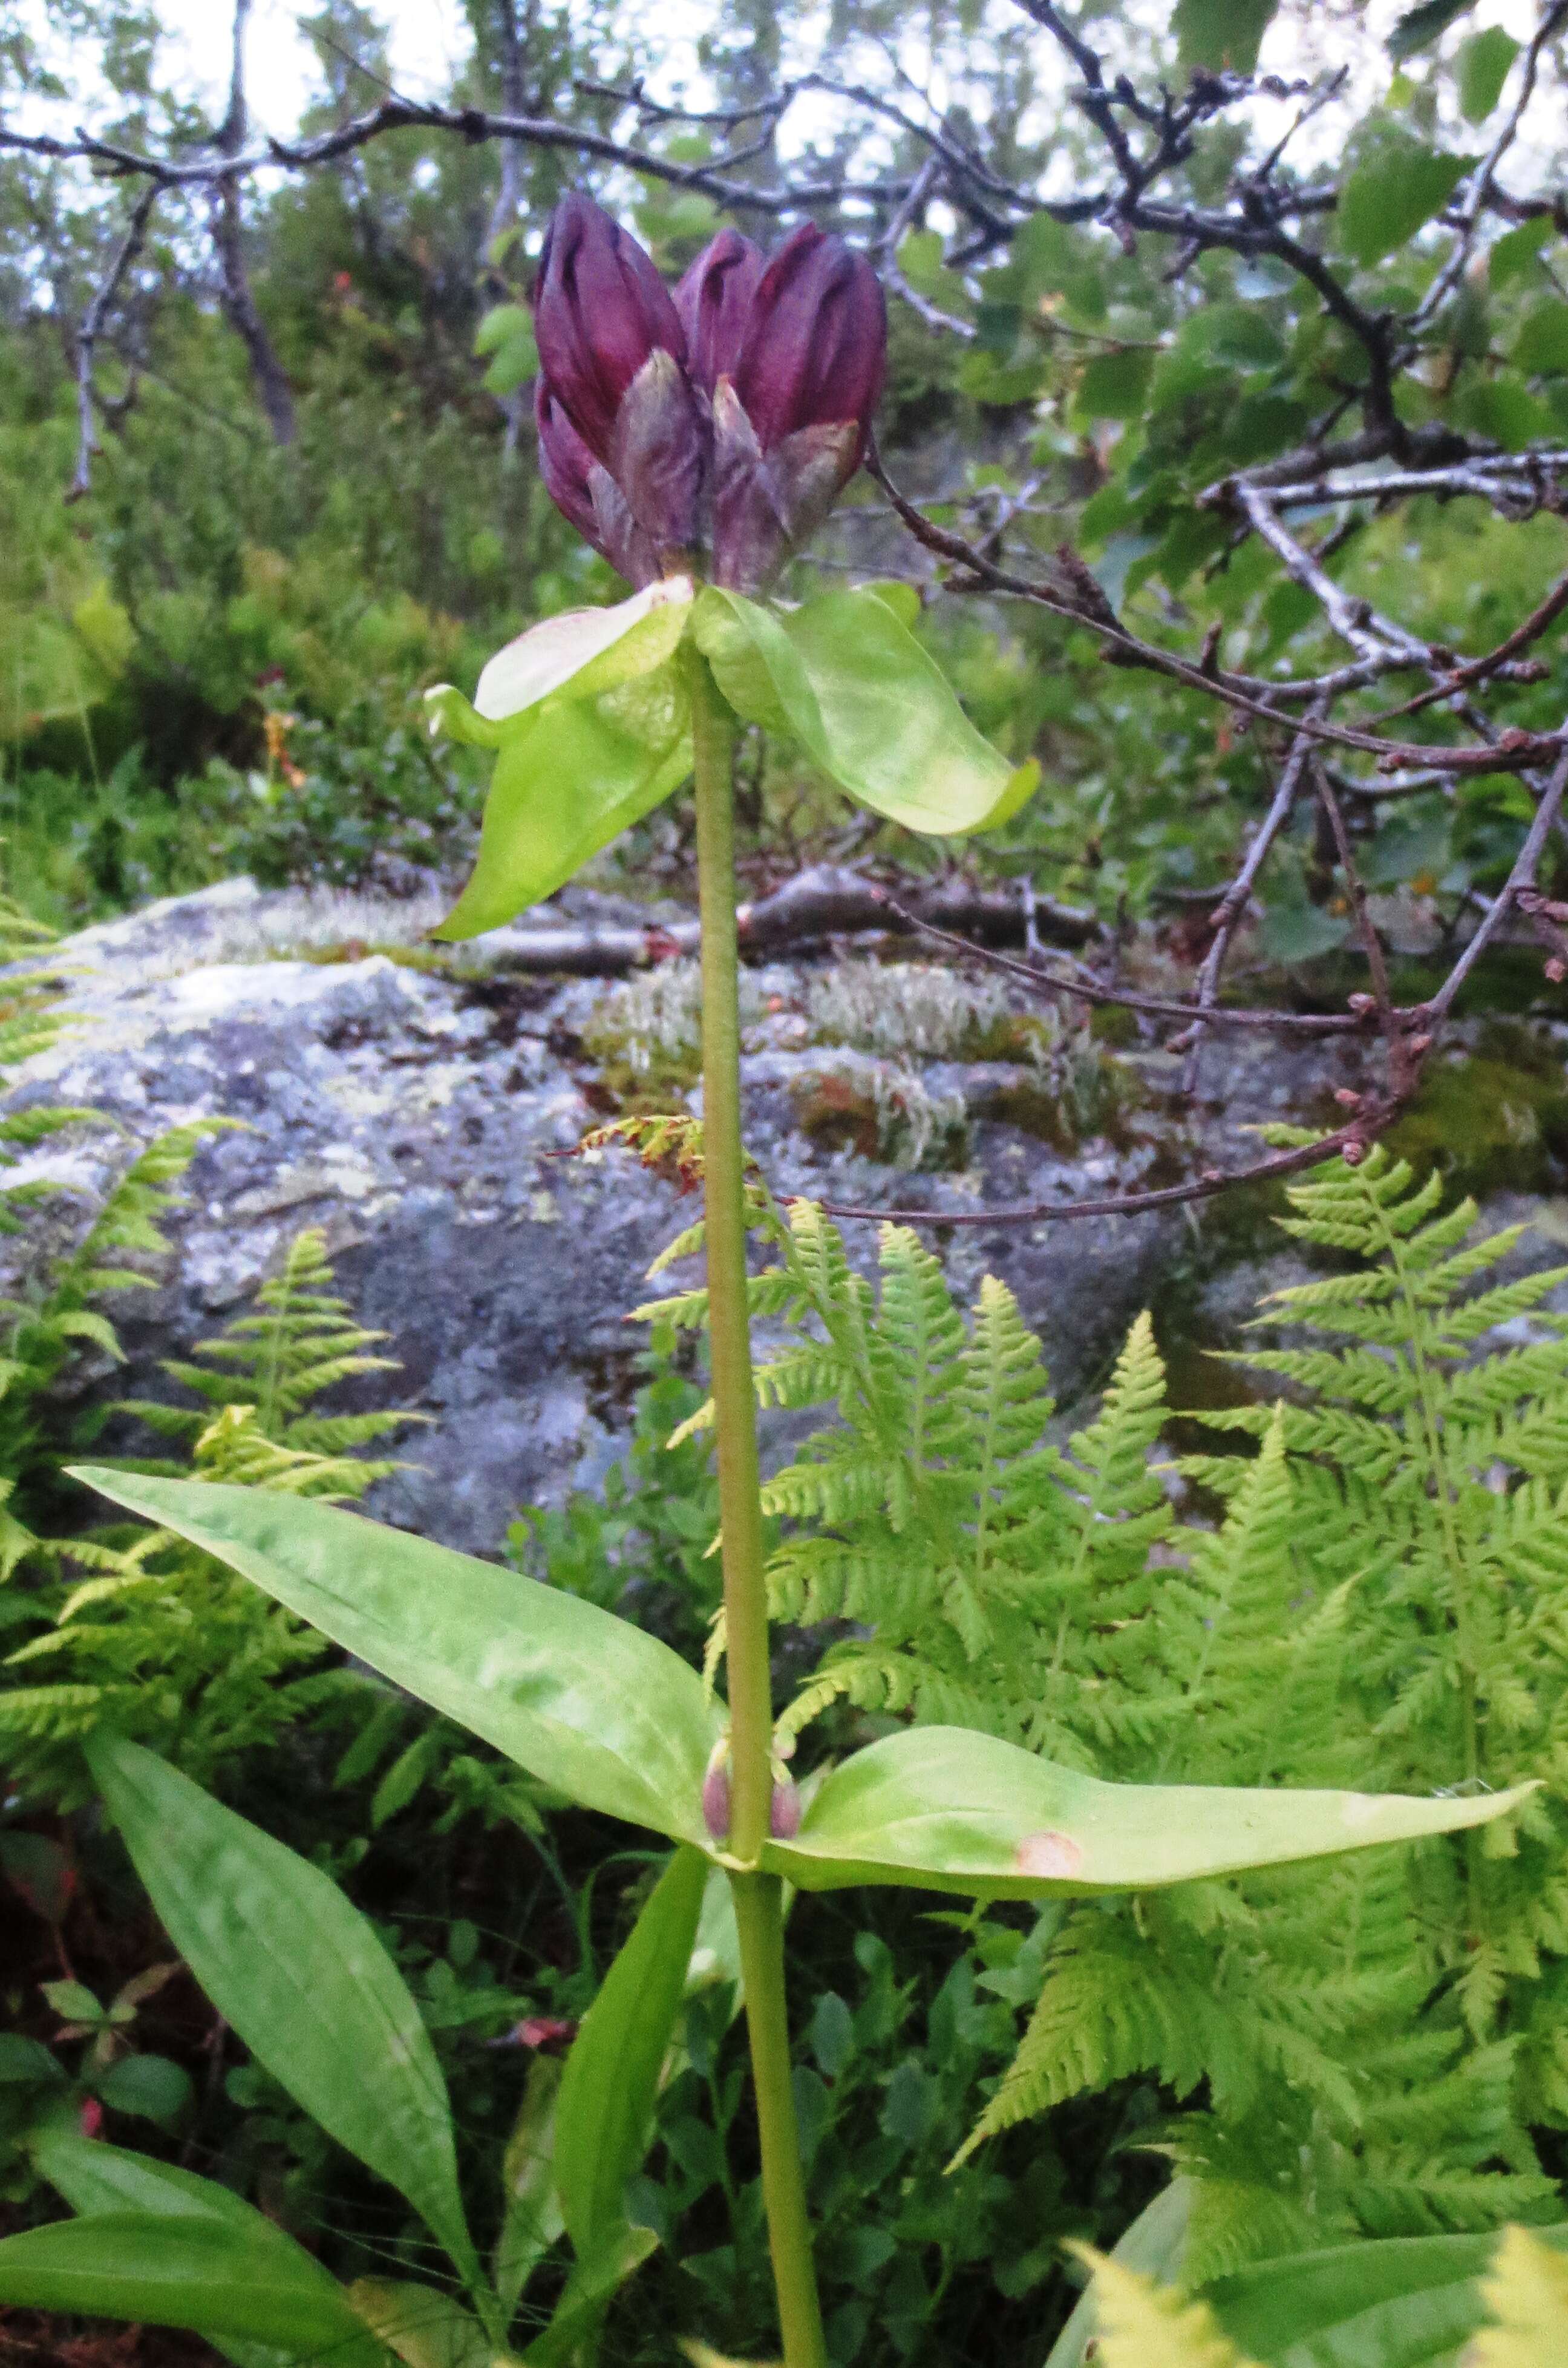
(905, 1009)
(885, 1109)
(653, 1023)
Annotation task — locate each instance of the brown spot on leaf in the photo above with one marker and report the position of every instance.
(1057, 1856)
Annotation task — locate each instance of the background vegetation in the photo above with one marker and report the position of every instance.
(213, 661)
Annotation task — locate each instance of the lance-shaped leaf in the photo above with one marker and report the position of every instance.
(195, 2270)
(93, 2177)
(604, 2115)
(299, 1973)
(945, 1809)
(1397, 2301)
(866, 703)
(583, 1700)
(590, 718)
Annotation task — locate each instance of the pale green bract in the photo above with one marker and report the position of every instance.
(616, 1720)
(591, 720)
(589, 715)
(865, 702)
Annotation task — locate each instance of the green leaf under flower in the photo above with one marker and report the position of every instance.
(582, 773)
(591, 719)
(866, 703)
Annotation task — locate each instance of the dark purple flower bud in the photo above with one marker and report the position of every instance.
(714, 303)
(792, 420)
(612, 355)
(587, 494)
(600, 309)
(814, 354)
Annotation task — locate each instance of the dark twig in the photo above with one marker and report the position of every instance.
(1238, 895)
(1352, 1140)
(227, 229)
(1522, 877)
(92, 329)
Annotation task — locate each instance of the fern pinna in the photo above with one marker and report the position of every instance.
(1377, 1603)
(159, 1638)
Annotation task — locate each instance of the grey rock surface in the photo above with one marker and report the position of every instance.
(418, 1119)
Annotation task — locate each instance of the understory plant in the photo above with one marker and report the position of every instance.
(1375, 1594)
(136, 1629)
(721, 421)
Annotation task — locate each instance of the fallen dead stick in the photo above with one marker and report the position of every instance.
(826, 901)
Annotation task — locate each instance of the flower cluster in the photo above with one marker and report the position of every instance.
(726, 416)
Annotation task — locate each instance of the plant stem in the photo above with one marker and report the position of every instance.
(758, 1899)
(759, 1920)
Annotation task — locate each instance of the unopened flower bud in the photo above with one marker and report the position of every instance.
(716, 1793)
(714, 303)
(792, 418)
(612, 355)
(784, 1815)
(741, 403)
(585, 492)
(815, 353)
(784, 1812)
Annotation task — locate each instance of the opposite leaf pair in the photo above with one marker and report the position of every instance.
(618, 1722)
(590, 715)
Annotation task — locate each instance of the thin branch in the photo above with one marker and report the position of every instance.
(1238, 895)
(1352, 1141)
(1522, 877)
(1090, 990)
(92, 329)
(226, 226)
(1498, 661)
(1365, 928)
(1466, 216)
(470, 124)
(1354, 621)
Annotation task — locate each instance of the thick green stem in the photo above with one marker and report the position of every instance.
(758, 1897)
(759, 1918)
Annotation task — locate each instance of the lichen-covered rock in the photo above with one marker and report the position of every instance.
(420, 1119)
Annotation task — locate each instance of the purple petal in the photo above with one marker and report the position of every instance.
(714, 302)
(600, 309)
